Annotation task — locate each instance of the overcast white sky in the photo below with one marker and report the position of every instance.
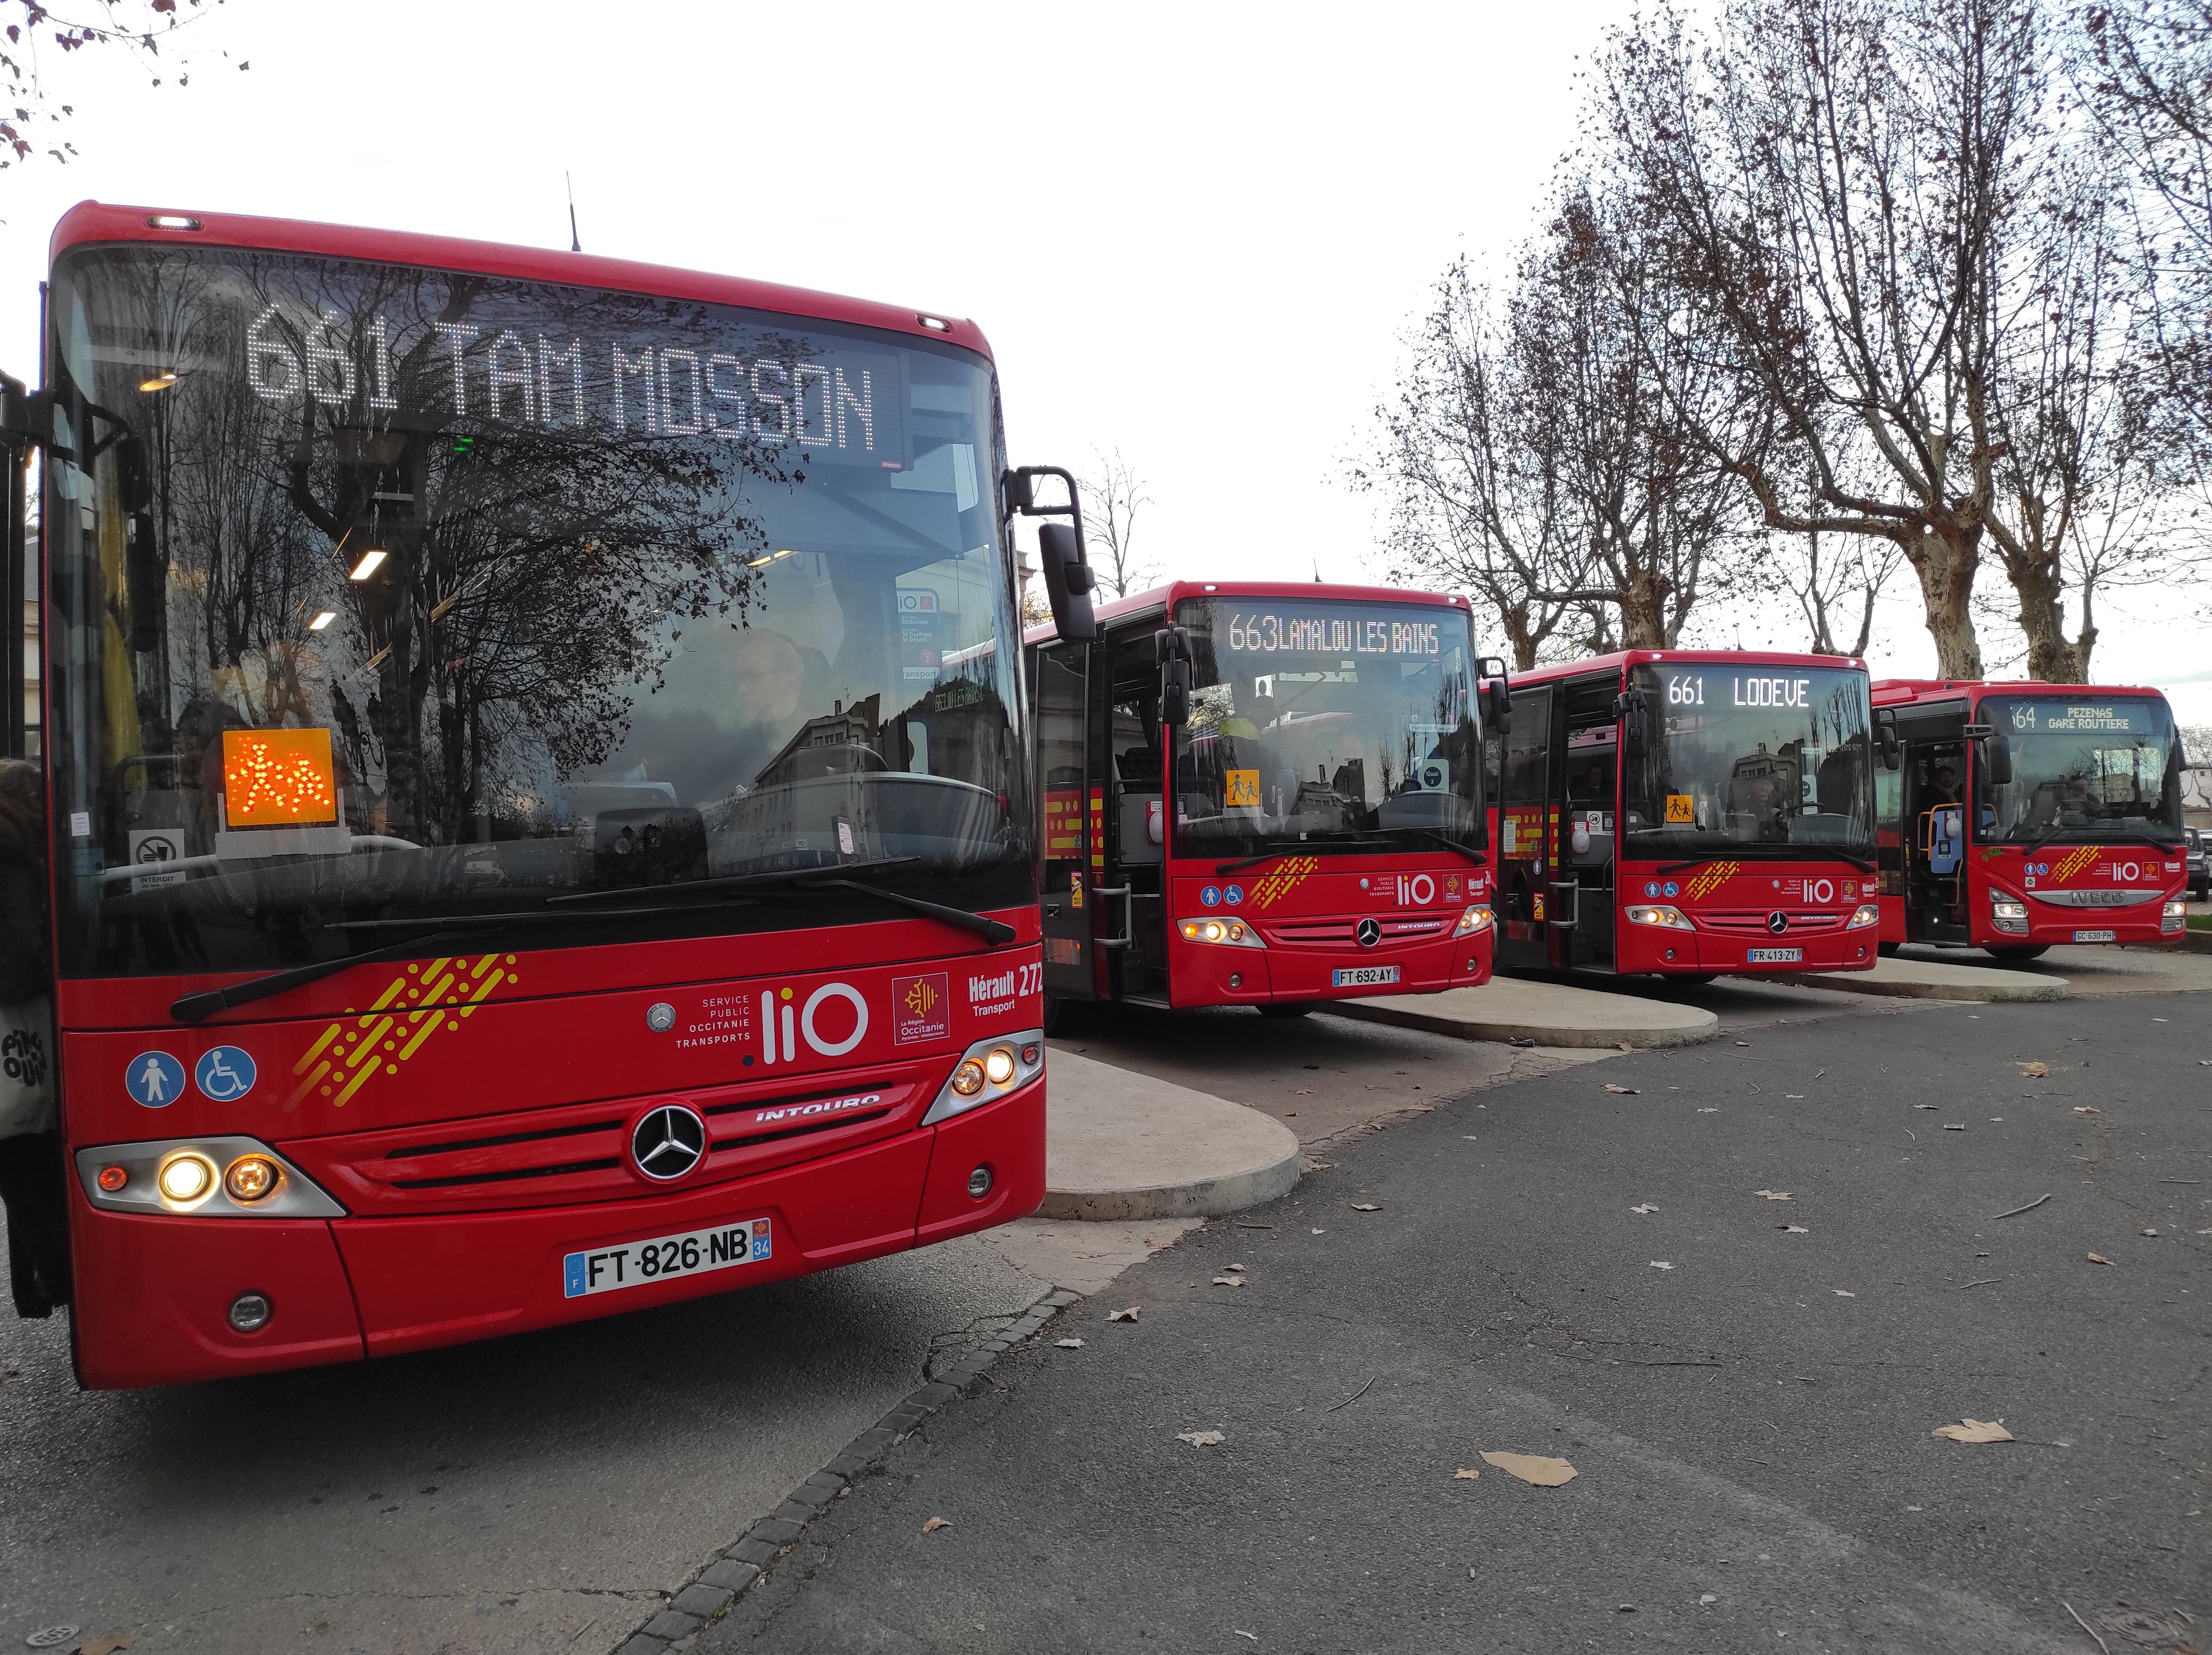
(1196, 234)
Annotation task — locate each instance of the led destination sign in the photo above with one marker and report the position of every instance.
(1306, 631)
(1688, 690)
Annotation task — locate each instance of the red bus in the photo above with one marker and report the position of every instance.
(2030, 814)
(1327, 838)
(1684, 813)
(539, 820)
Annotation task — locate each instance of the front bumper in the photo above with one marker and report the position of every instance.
(152, 1292)
(1207, 974)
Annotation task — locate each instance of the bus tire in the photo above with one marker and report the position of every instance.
(2016, 953)
(1888, 950)
(1059, 1016)
(1286, 1009)
(1691, 979)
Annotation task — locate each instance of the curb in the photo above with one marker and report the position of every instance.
(2029, 990)
(1595, 1039)
(1208, 1197)
(736, 1566)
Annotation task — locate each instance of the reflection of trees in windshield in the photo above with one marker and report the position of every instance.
(2109, 767)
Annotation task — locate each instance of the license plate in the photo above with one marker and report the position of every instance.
(1776, 957)
(1363, 976)
(640, 1263)
(2094, 935)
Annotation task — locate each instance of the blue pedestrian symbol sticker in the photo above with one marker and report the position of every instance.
(153, 1079)
(1210, 895)
(225, 1073)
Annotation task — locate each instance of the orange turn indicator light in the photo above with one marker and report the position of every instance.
(278, 778)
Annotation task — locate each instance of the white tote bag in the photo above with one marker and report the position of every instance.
(26, 1067)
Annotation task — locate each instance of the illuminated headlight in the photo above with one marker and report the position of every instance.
(1475, 918)
(181, 1175)
(2175, 916)
(2007, 913)
(186, 1180)
(1865, 915)
(1662, 914)
(1232, 933)
(988, 1071)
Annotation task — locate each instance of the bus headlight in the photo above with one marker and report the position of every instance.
(1233, 933)
(249, 1177)
(1663, 914)
(180, 1175)
(2007, 913)
(1476, 919)
(988, 1070)
(2175, 917)
(186, 1180)
(1866, 914)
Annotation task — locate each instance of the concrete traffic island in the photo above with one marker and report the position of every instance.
(1121, 1145)
(1550, 1014)
(1935, 979)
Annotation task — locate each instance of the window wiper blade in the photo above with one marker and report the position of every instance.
(1449, 844)
(736, 881)
(1830, 850)
(1771, 853)
(981, 924)
(536, 916)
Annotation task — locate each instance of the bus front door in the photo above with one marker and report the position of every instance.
(1066, 904)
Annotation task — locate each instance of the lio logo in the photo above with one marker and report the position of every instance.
(779, 1016)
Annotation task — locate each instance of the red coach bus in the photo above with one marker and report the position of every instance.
(1326, 838)
(539, 823)
(2030, 814)
(1685, 813)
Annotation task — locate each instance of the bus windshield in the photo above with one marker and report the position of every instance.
(1738, 756)
(2107, 770)
(395, 594)
(1321, 725)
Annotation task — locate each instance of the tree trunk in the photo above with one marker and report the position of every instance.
(1643, 611)
(2052, 657)
(1946, 561)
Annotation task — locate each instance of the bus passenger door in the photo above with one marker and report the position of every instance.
(1935, 842)
(1524, 796)
(1057, 681)
(1130, 921)
(1586, 836)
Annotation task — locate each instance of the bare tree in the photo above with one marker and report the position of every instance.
(1471, 506)
(1113, 494)
(1830, 576)
(139, 28)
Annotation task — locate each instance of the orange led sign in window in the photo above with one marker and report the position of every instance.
(277, 778)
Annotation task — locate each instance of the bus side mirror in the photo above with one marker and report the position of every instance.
(1498, 705)
(1885, 735)
(1997, 750)
(1172, 646)
(1067, 582)
(1628, 706)
(148, 585)
(134, 482)
(1020, 490)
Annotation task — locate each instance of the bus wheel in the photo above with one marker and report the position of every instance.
(1888, 950)
(2014, 952)
(1286, 1009)
(1059, 1016)
(1692, 979)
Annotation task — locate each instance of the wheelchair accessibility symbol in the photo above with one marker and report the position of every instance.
(225, 1073)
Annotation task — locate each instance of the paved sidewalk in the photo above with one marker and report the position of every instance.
(1551, 1013)
(1919, 978)
(1121, 1146)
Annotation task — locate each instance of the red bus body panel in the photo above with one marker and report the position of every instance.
(2059, 865)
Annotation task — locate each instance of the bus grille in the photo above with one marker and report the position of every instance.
(1340, 933)
(1804, 922)
(580, 1152)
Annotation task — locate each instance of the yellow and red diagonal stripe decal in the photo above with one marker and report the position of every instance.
(1709, 878)
(1282, 879)
(413, 1007)
(2075, 861)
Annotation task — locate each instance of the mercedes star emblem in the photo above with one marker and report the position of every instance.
(668, 1141)
(660, 1016)
(1367, 933)
(1778, 922)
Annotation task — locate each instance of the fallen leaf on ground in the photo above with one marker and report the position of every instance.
(1422, 1108)
(1842, 1294)
(1229, 1280)
(1795, 1097)
(1069, 1344)
(2036, 1072)
(1646, 1208)
(935, 1523)
(1743, 1042)
(1365, 1207)
(2099, 1258)
(1232, 1267)
(1625, 1046)
(1541, 1470)
(1626, 1091)
(1321, 1232)
(1661, 1264)
(1793, 1229)
(1972, 1430)
(102, 1645)
(2086, 1109)
(1927, 1106)
(1709, 1111)
(1707, 1598)
(1773, 1195)
(1128, 1315)
(1470, 1475)
(1961, 1127)
(1305, 1091)
(1200, 1439)
(2146, 1231)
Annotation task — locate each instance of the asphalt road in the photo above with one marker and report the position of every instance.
(1750, 1424)
(534, 1493)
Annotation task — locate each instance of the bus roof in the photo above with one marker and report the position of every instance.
(91, 223)
(1620, 659)
(1165, 597)
(1897, 692)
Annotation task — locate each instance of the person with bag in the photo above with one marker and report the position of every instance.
(30, 1163)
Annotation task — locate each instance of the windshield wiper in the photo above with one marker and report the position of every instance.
(1448, 843)
(1772, 853)
(449, 928)
(735, 882)
(1813, 850)
(1238, 867)
(981, 925)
